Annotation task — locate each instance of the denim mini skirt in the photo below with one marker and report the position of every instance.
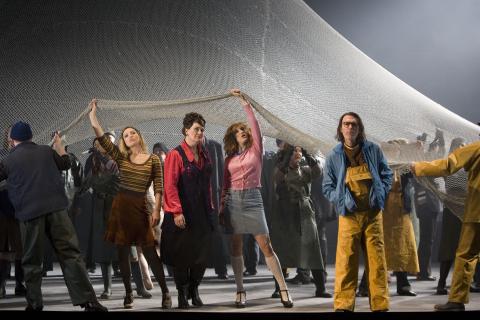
(244, 212)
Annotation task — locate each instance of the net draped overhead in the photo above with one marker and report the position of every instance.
(141, 57)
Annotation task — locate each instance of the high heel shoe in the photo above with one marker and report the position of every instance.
(241, 300)
(275, 294)
(166, 301)
(288, 303)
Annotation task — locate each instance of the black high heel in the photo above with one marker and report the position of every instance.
(286, 303)
(239, 302)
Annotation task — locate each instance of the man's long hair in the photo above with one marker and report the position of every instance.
(361, 129)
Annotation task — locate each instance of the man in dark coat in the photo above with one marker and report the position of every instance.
(37, 193)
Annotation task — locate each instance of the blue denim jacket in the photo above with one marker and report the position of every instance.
(335, 188)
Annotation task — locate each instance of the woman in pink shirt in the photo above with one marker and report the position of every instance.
(242, 206)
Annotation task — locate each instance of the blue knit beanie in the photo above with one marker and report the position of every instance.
(21, 131)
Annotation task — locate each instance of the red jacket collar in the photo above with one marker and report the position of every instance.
(189, 152)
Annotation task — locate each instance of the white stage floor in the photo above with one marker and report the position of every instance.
(218, 295)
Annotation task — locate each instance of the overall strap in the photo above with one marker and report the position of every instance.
(183, 155)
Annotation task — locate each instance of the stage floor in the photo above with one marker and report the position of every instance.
(218, 295)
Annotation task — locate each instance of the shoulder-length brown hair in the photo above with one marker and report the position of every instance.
(230, 144)
(126, 150)
(361, 129)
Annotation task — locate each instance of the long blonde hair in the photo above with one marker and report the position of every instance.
(230, 141)
(126, 150)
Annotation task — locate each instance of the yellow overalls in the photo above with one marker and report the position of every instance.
(468, 249)
(360, 228)
(400, 245)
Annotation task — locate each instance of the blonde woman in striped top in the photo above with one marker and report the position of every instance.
(130, 220)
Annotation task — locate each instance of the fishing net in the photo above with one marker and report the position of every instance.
(151, 61)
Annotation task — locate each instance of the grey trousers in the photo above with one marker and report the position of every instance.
(58, 229)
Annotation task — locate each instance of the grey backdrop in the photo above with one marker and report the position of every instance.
(433, 45)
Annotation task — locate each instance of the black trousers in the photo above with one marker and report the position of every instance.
(220, 256)
(428, 226)
(251, 254)
(188, 276)
(58, 229)
(476, 277)
(402, 281)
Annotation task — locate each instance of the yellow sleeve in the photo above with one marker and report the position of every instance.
(461, 158)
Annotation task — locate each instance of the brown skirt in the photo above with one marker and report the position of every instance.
(129, 222)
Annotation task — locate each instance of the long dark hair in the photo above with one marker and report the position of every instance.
(361, 129)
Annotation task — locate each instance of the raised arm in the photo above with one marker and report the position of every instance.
(110, 148)
(252, 121)
(460, 158)
(313, 165)
(62, 160)
(58, 145)
(93, 118)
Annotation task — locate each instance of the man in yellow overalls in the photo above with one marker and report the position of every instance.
(357, 180)
(467, 157)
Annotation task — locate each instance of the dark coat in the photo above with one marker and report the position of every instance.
(324, 210)
(428, 203)
(34, 181)
(295, 217)
(216, 157)
(268, 186)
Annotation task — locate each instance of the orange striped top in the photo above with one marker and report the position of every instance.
(135, 177)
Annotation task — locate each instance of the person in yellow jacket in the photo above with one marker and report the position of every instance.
(468, 250)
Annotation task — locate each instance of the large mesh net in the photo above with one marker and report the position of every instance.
(151, 61)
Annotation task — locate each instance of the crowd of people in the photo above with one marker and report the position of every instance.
(191, 208)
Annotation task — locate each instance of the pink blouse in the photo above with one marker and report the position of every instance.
(243, 171)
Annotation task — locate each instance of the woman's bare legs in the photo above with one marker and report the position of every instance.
(273, 264)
